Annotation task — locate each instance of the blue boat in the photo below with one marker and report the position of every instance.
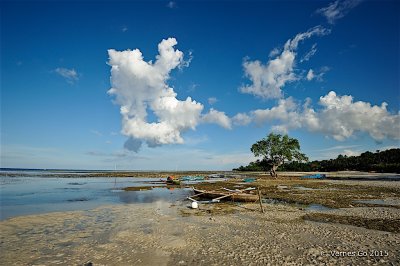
(192, 178)
(249, 180)
(315, 176)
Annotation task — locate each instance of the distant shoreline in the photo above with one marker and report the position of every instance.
(356, 175)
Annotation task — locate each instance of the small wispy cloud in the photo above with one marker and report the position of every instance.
(70, 75)
(97, 133)
(171, 4)
(124, 28)
(274, 52)
(212, 100)
(192, 87)
(348, 49)
(337, 9)
(317, 74)
(310, 53)
(310, 75)
(116, 155)
(339, 147)
(195, 140)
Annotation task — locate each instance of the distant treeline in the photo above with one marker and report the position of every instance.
(381, 161)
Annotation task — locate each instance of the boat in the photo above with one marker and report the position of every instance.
(191, 178)
(216, 176)
(315, 176)
(249, 179)
(244, 195)
(173, 182)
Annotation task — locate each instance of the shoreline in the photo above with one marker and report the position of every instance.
(164, 174)
(170, 233)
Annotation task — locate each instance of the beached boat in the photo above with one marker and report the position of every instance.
(226, 194)
(249, 179)
(169, 181)
(191, 178)
(315, 176)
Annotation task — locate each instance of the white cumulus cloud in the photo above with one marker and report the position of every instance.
(337, 9)
(150, 109)
(268, 79)
(241, 119)
(338, 117)
(217, 117)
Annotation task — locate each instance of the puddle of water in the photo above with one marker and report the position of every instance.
(78, 199)
(282, 187)
(76, 184)
(275, 201)
(303, 188)
(310, 207)
(317, 207)
(380, 201)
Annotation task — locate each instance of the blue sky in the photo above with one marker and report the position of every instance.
(324, 72)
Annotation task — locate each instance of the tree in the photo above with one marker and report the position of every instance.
(275, 149)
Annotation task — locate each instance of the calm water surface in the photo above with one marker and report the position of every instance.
(32, 193)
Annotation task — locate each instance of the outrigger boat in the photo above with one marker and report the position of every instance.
(315, 176)
(191, 178)
(243, 195)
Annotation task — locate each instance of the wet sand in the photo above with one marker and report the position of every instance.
(163, 233)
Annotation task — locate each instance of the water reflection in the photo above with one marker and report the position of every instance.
(156, 194)
(36, 194)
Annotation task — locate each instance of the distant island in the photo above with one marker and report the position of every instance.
(387, 161)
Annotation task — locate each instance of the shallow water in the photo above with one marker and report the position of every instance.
(303, 188)
(317, 207)
(309, 207)
(36, 194)
(380, 201)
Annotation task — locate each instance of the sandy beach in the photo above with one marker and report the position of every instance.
(165, 233)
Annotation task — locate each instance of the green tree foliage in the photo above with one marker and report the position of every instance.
(381, 161)
(275, 149)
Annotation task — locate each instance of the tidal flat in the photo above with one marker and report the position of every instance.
(165, 231)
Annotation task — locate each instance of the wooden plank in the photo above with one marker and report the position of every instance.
(195, 195)
(231, 190)
(225, 196)
(259, 198)
(189, 198)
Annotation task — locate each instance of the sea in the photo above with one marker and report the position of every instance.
(29, 191)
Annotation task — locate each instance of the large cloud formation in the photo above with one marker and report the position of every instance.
(267, 80)
(142, 91)
(338, 116)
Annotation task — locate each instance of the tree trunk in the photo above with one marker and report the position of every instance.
(274, 168)
(273, 171)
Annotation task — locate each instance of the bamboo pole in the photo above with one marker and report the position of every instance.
(259, 198)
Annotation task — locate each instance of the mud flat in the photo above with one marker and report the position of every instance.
(341, 175)
(163, 233)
